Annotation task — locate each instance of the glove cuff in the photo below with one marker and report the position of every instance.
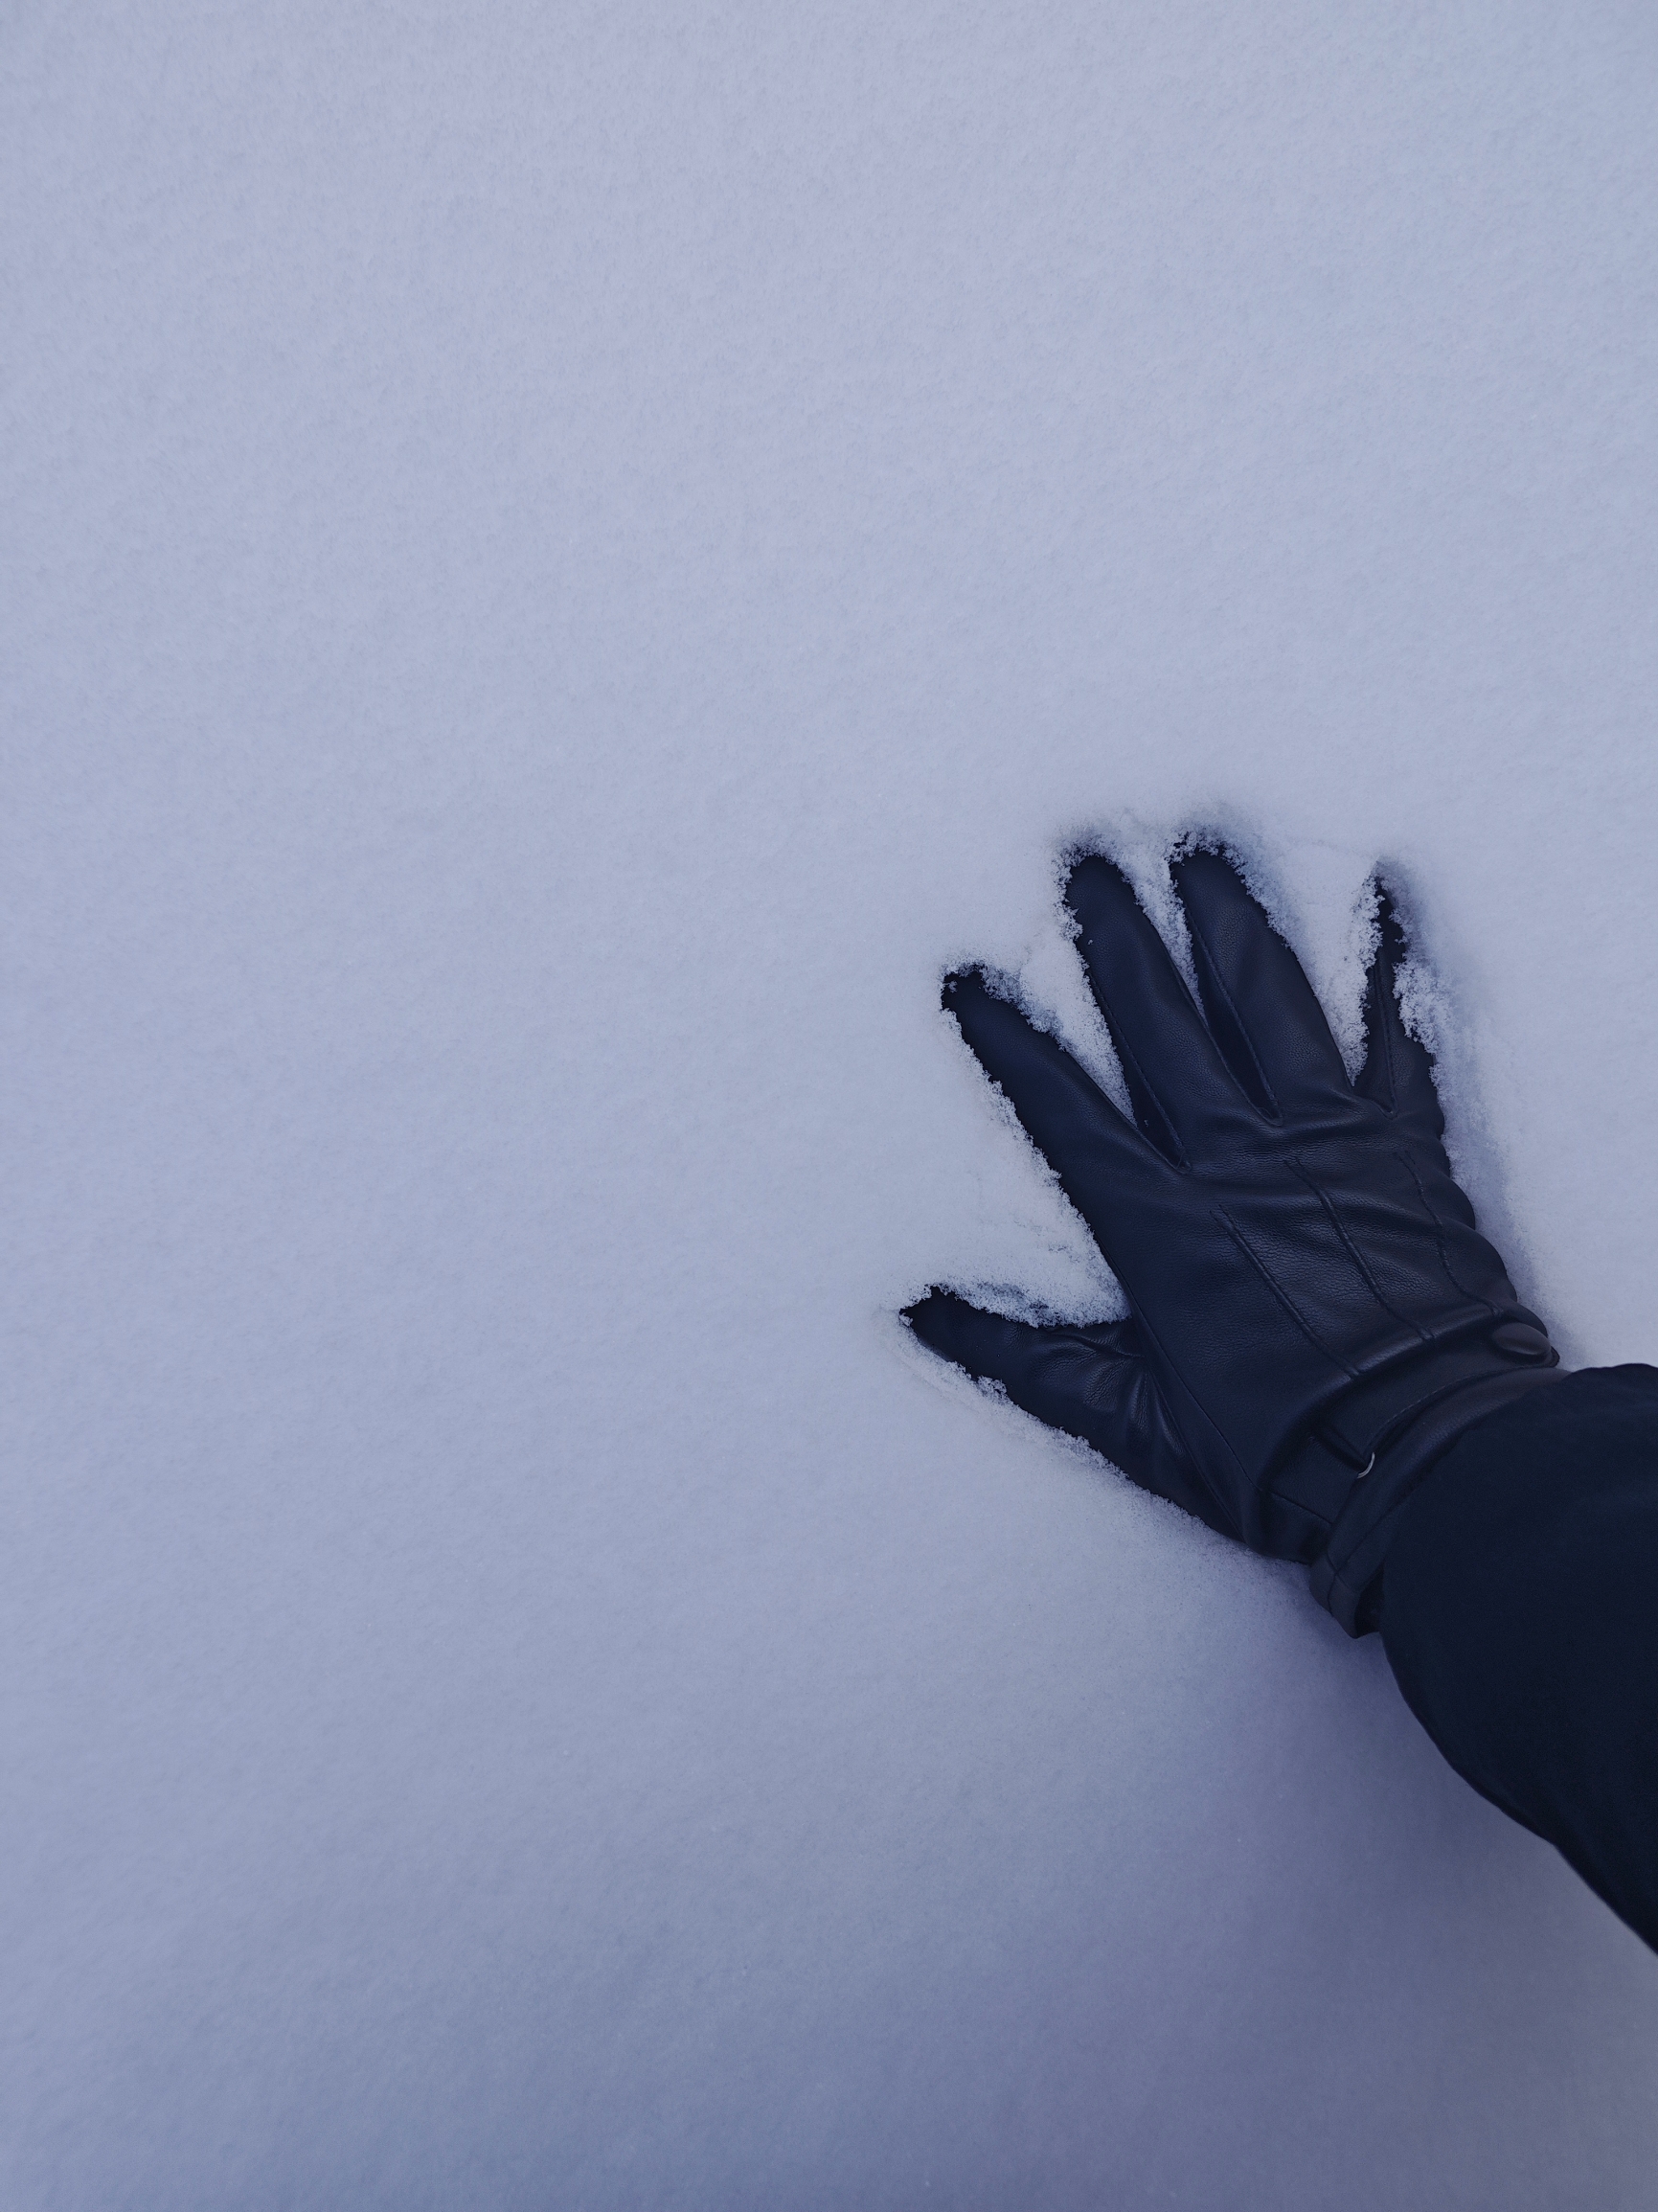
(1347, 1578)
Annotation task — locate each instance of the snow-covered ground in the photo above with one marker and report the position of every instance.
(560, 564)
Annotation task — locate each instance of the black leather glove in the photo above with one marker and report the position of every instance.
(1314, 1318)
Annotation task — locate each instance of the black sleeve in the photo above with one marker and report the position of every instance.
(1520, 1616)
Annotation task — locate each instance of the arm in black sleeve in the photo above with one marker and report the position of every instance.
(1324, 1357)
(1520, 1616)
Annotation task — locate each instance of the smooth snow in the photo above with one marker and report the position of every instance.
(559, 566)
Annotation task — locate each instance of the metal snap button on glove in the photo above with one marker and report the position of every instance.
(1314, 1318)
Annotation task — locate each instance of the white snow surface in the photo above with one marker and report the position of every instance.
(560, 564)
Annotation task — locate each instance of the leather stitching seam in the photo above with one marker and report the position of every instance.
(1281, 1294)
(1351, 1247)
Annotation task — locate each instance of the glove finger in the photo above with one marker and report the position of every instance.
(1182, 1089)
(1091, 1382)
(1398, 1074)
(1264, 1012)
(1093, 1149)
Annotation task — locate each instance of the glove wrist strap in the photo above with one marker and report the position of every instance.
(1346, 1578)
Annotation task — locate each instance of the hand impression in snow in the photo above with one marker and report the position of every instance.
(1316, 1318)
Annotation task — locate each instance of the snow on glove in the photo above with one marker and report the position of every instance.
(1314, 1318)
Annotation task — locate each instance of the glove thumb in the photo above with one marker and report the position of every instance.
(1091, 1382)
